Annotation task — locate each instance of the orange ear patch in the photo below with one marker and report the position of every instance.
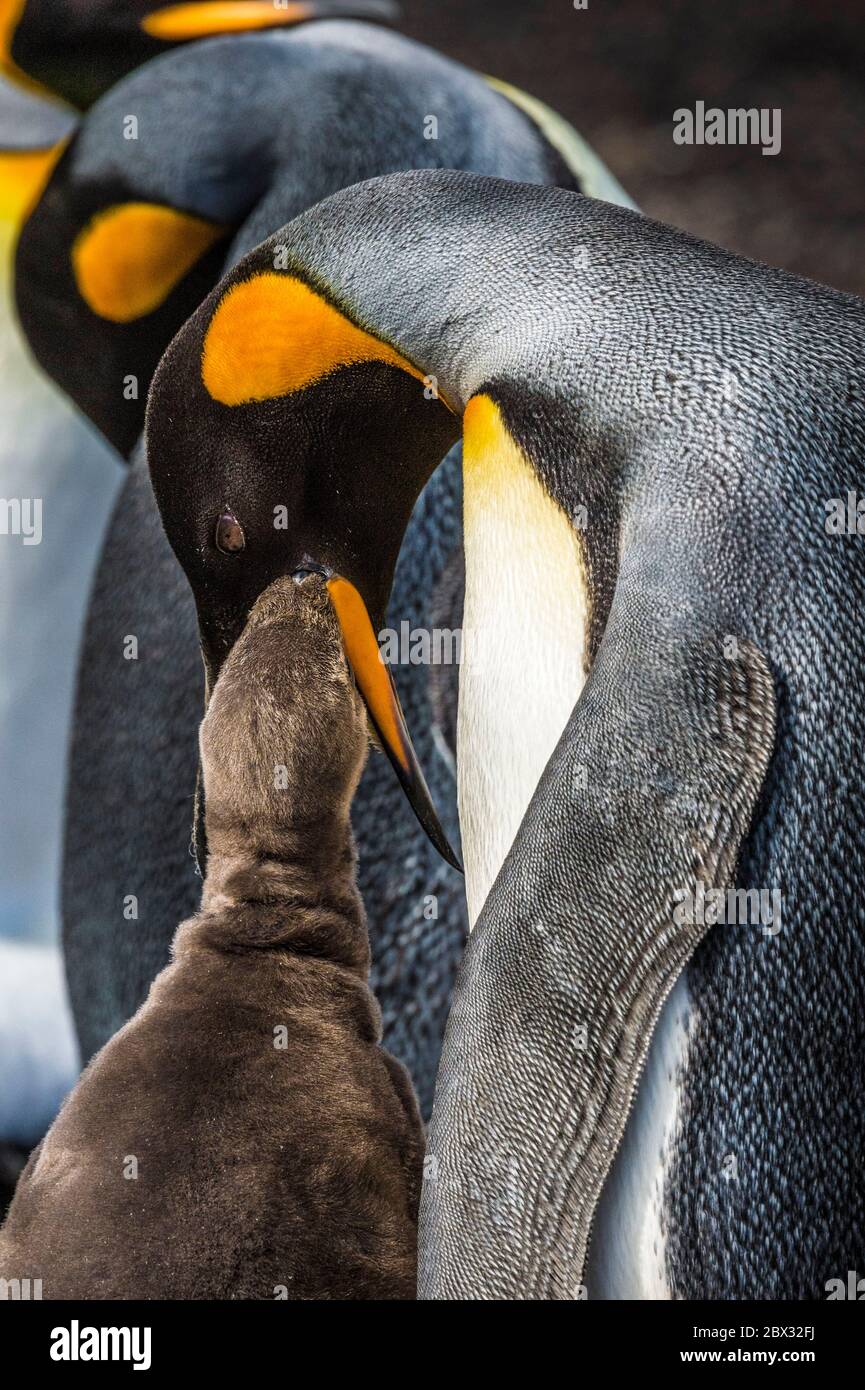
(128, 258)
(272, 335)
(177, 23)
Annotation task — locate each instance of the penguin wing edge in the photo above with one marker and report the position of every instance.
(649, 794)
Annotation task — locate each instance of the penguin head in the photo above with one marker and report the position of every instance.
(284, 739)
(78, 50)
(282, 436)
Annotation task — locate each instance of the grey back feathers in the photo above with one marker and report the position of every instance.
(223, 122)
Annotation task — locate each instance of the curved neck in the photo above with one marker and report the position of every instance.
(287, 887)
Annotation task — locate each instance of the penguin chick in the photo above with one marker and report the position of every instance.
(245, 1136)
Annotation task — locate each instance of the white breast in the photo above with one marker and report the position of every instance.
(524, 635)
(524, 639)
(628, 1257)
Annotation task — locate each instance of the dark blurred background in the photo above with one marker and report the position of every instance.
(619, 69)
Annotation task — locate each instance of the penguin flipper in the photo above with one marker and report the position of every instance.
(649, 792)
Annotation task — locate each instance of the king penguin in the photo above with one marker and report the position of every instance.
(59, 56)
(660, 699)
(77, 49)
(58, 483)
(242, 134)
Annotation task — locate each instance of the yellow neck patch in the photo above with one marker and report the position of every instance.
(524, 637)
(499, 478)
(272, 335)
(128, 259)
(23, 172)
(23, 176)
(177, 23)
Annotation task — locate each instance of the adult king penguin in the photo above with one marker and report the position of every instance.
(660, 442)
(59, 56)
(55, 52)
(236, 137)
(77, 49)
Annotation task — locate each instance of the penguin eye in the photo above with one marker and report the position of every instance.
(229, 537)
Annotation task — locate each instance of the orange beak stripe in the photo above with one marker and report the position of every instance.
(376, 685)
(373, 677)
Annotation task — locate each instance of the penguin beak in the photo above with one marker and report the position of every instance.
(376, 685)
